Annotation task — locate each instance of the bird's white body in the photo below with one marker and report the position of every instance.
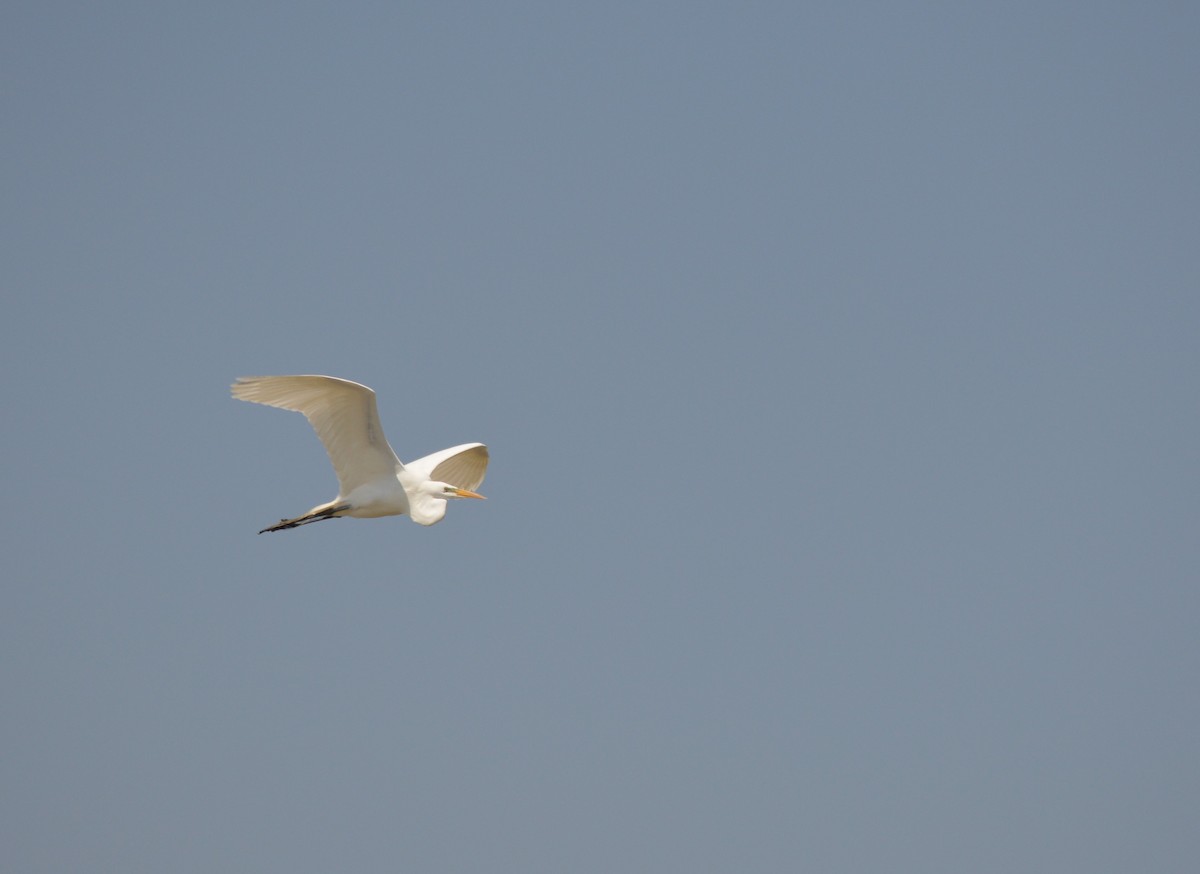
(372, 480)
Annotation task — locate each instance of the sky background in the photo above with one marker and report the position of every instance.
(839, 364)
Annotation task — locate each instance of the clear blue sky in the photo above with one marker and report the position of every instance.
(840, 366)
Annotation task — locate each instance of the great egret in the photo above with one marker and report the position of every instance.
(371, 480)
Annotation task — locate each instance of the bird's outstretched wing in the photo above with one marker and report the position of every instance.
(462, 466)
(344, 415)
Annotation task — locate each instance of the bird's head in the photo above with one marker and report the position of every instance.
(428, 505)
(445, 490)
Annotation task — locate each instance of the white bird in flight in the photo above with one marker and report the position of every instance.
(371, 479)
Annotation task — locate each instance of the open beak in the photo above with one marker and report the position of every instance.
(463, 493)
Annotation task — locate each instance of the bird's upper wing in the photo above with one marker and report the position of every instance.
(462, 466)
(344, 415)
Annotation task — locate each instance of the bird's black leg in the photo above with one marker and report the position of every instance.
(327, 513)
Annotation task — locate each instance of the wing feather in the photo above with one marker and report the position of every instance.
(344, 415)
(462, 466)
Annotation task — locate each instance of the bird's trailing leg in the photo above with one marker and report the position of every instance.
(317, 515)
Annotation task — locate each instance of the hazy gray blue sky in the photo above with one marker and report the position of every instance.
(839, 363)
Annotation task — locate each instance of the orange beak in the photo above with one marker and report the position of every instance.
(463, 493)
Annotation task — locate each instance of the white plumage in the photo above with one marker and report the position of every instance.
(372, 481)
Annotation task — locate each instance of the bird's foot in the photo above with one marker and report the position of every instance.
(327, 513)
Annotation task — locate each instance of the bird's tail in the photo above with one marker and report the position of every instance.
(316, 514)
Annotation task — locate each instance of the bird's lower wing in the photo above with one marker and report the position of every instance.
(463, 466)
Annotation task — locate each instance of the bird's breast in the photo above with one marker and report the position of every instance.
(382, 498)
